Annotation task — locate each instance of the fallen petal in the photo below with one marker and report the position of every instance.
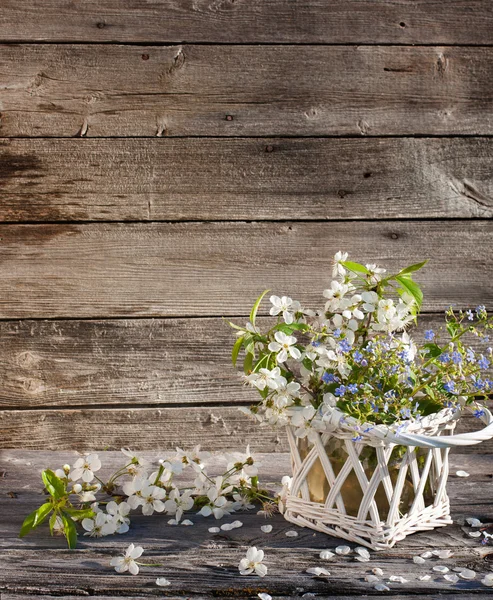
(452, 577)
(425, 578)
(467, 574)
(162, 581)
(441, 569)
(473, 522)
(343, 550)
(381, 587)
(291, 533)
(326, 554)
(266, 528)
(214, 530)
(462, 474)
(418, 560)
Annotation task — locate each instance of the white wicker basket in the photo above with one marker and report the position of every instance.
(368, 527)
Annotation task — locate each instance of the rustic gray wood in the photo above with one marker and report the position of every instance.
(111, 90)
(217, 427)
(130, 362)
(162, 269)
(307, 21)
(235, 179)
(201, 564)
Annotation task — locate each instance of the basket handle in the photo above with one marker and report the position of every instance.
(448, 441)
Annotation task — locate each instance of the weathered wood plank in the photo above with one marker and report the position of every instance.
(128, 362)
(307, 21)
(159, 428)
(163, 269)
(220, 179)
(94, 90)
(205, 564)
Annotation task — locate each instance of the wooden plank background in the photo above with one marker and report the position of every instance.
(162, 163)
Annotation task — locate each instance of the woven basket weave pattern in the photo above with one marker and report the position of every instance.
(369, 528)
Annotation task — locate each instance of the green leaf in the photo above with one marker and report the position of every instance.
(356, 267)
(35, 518)
(288, 329)
(452, 328)
(413, 268)
(53, 484)
(411, 288)
(248, 364)
(236, 349)
(70, 530)
(253, 313)
(79, 513)
(53, 521)
(433, 350)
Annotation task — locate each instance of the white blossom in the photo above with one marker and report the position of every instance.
(285, 347)
(84, 468)
(267, 378)
(177, 503)
(286, 306)
(119, 513)
(100, 525)
(152, 499)
(127, 562)
(252, 563)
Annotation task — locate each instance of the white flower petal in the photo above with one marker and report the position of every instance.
(162, 581)
(473, 534)
(427, 554)
(264, 596)
(377, 571)
(318, 571)
(441, 569)
(452, 577)
(473, 522)
(467, 574)
(326, 554)
(462, 474)
(381, 587)
(398, 579)
(214, 529)
(425, 578)
(418, 560)
(291, 533)
(371, 578)
(343, 550)
(266, 528)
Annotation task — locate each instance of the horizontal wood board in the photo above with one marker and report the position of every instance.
(160, 428)
(132, 362)
(113, 90)
(234, 179)
(280, 21)
(206, 269)
(201, 564)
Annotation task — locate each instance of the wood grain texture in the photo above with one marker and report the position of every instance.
(235, 179)
(163, 269)
(111, 90)
(305, 21)
(200, 564)
(160, 428)
(129, 363)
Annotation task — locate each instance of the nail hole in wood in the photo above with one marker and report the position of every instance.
(402, 24)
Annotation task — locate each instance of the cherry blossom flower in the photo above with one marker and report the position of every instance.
(119, 513)
(218, 505)
(137, 464)
(178, 503)
(152, 499)
(133, 489)
(286, 306)
(84, 468)
(252, 563)
(99, 526)
(127, 562)
(338, 269)
(267, 378)
(195, 458)
(285, 347)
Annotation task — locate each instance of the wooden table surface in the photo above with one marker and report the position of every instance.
(200, 564)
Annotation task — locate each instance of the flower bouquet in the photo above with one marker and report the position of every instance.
(369, 411)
